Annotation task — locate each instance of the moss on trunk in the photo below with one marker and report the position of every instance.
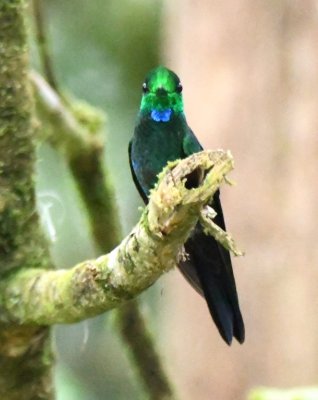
(24, 351)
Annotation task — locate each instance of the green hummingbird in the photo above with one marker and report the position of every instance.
(161, 135)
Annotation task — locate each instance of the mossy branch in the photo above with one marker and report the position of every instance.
(83, 150)
(34, 296)
(67, 135)
(211, 228)
(82, 147)
(79, 144)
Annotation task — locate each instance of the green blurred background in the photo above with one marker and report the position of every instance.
(249, 72)
(101, 52)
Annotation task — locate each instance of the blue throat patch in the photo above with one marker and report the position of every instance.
(161, 116)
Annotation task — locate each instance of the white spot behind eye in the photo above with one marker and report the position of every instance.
(145, 88)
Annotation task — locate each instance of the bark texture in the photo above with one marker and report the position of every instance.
(25, 356)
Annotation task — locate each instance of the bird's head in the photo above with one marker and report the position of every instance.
(162, 95)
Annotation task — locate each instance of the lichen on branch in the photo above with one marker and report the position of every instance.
(212, 229)
(25, 357)
(152, 248)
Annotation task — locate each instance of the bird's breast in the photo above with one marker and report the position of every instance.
(154, 144)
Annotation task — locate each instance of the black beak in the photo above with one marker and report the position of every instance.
(161, 92)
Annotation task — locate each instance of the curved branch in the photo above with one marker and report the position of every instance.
(68, 135)
(154, 246)
(45, 57)
(83, 151)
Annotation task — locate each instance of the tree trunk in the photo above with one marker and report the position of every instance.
(24, 351)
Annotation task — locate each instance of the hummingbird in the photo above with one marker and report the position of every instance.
(162, 134)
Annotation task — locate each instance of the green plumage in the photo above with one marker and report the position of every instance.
(161, 135)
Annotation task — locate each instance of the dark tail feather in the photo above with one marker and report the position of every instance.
(214, 270)
(238, 327)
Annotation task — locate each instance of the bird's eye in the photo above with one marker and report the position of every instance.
(179, 88)
(145, 88)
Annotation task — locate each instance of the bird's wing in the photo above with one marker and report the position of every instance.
(138, 186)
(209, 268)
(191, 144)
